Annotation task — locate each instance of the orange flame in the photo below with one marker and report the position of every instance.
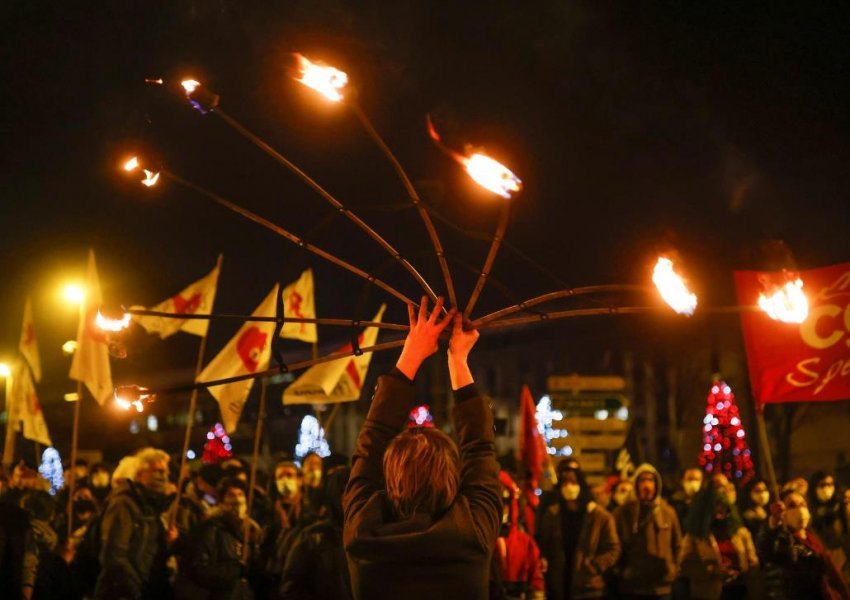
(485, 171)
(786, 303)
(151, 178)
(326, 80)
(190, 85)
(132, 396)
(132, 164)
(114, 325)
(672, 287)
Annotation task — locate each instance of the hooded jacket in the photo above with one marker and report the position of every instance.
(426, 556)
(650, 545)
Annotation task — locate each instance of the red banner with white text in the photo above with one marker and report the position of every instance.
(805, 362)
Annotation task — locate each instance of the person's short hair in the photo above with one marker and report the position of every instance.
(228, 483)
(421, 471)
(39, 504)
(125, 470)
(288, 463)
(212, 474)
(145, 456)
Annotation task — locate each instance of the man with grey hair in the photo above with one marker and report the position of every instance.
(133, 550)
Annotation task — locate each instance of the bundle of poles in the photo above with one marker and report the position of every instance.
(485, 171)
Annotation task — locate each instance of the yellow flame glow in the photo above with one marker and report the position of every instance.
(492, 175)
(786, 303)
(151, 178)
(672, 287)
(190, 85)
(132, 396)
(132, 164)
(326, 80)
(113, 325)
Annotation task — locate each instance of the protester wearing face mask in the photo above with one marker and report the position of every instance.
(690, 485)
(99, 482)
(754, 501)
(84, 507)
(797, 565)
(198, 498)
(578, 540)
(311, 467)
(650, 536)
(211, 564)
(134, 546)
(624, 491)
(829, 519)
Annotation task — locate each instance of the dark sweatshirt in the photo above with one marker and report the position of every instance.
(422, 557)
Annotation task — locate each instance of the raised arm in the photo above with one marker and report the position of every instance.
(479, 475)
(394, 398)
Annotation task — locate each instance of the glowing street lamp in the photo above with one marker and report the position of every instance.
(786, 303)
(672, 287)
(74, 293)
(326, 80)
(5, 370)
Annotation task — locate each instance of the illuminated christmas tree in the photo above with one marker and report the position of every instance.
(725, 449)
(218, 447)
(420, 417)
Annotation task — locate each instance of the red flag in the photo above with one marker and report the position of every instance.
(532, 448)
(802, 362)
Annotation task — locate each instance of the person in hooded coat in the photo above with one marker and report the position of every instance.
(316, 568)
(829, 519)
(651, 538)
(753, 503)
(422, 513)
(578, 539)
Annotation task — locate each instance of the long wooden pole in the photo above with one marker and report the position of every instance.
(287, 235)
(414, 199)
(9, 444)
(252, 481)
(504, 217)
(190, 415)
(764, 442)
(72, 479)
(277, 156)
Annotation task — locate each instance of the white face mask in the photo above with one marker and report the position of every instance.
(797, 518)
(620, 498)
(313, 478)
(286, 486)
(100, 480)
(760, 498)
(825, 493)
(691, 487)
(570, 491)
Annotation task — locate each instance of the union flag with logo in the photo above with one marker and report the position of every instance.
(197, 299)
(247, 352)
(805, 362)
(338, 380)
(299, 302)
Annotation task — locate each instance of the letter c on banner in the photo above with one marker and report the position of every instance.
(808, 330)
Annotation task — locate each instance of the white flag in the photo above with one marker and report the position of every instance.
(339, 380)
(28, 344)
(247, 352)
(25, 408)
(91, 358)
(299, 301)
(197, 299)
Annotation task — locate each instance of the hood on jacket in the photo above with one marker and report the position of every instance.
(648, 468)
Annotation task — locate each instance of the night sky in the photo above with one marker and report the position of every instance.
(636, 127)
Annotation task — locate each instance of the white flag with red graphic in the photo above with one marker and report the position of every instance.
(90, 364)
(24, 407)
(299, 302)
(247, 352)
(28, 344)
(339, 380)
(197, 299)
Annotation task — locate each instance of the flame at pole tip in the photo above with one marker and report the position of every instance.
(190, 85)
(133, 396)
(325, 79)
(786, 303)
(132, 164)
(483, 170)
(672, 287)
(111, 324)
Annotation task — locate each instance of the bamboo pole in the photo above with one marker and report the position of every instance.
(69, 509)
(252, 481)
(414, 199)
(504, 217)
(287, 235)
(277, 156)
(9, 442)
(764, 442)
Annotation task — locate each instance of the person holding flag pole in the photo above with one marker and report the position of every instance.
(198, 298)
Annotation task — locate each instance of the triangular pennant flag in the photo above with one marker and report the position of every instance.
(299, 301)
(338, 380)
(28, 344)
(24, 407)
(247, 352)
(91, 358)
(197, 299)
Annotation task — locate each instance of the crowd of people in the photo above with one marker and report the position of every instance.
(416, 514)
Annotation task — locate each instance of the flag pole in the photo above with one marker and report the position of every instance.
(190, 416)
(9, 445)
(764, 442)
(258, 434)
(69, 509)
